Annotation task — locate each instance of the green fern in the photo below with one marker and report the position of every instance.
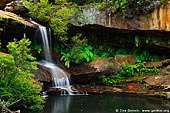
(78, 54)
(137, 41)
(148, 40)
(37, 48)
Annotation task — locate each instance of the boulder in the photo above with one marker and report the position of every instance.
(103, 65)
(155, 81)
(16, 7)
(162, 80)
(43, 74)
(158, 64)
(110, 65)
(87, 72)
(120, 59)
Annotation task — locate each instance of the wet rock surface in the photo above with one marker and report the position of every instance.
(156, 85)
(43, 74)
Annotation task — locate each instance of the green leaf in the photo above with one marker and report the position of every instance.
(137, 41)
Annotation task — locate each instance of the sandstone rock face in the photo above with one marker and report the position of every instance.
(159, 19)
(9, 15)
(120, 59)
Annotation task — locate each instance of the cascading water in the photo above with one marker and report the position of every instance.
(46, 45)
(60, 77)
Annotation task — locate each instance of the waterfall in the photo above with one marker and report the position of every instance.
(46, 45)
(59, 76)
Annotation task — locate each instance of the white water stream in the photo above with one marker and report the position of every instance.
(60, 77)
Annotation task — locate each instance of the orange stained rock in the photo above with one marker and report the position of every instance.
(165, 17)
(160, 18)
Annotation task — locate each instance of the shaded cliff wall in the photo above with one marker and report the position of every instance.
(158, 41)
(159, 19)
(101, 26)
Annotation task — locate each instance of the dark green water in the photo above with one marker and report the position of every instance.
(119, 103)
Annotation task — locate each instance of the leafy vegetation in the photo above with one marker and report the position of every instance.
(127, 8)
(82, 51)
(78, 54)
(55, 14)
(103, 50)
(37, 47)
(17, 82)
(106, 50)
(126, 72)
(137, 41)
(0, 34)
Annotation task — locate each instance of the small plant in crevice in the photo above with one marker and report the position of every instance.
(137, 41)
(146, 85)
(148, 39)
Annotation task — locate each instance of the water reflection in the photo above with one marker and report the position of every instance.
(58, 104)
(103, 104)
